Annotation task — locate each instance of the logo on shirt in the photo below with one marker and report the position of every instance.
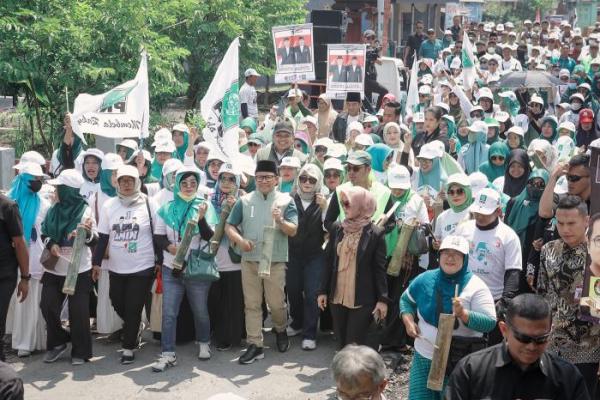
(126, 232)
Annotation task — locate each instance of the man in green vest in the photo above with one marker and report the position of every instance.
(358, 172)
(258, 221)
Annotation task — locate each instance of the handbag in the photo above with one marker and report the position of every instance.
(233, 255)
(201, 266)
(156, 307)
(47, 260)
(418, 243)
(461, 347)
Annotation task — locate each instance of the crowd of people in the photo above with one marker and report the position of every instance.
(474, 202)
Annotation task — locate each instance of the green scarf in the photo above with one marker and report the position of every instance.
(468, 200)
(525, 207)
(180, 152)
(491, 170)
(63, 217)
(392, 238)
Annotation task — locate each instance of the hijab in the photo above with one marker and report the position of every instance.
(27, 200)
(514, 186)
(436, 286)
(491, 170)
(64, 216)
(525, 208)
(325, 119)
(180, 152)
(361, 208)
(476, 152)
(468, 193)
(314, 172)
(436, 177)
(99, 176)
(76, 149)
(218, 197)
(379, 153)
(554, 123)
(137, 197)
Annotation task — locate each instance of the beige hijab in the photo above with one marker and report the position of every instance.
(325, 119)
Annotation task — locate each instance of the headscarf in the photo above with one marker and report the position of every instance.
(436, 177)
(136, 197)
(179, 211)
(492, 123)
(64, 216)
(325, 119)
(315, 172)
(476, 152)
(524, 211)
(249, 122)
(354, 126)
(468, 193)
(106, 183)
(76, 149)
(391, 238)
(514, 186)
(180, 152)
(156, 169)
(304, 141)
(453, 132)
(491, 170)
(27, 200)
(361, 208)
(218, 197)
(432, 286)
(554, 123)
(84, 174)
(379, 153)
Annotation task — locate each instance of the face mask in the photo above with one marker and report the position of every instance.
(534, 192)
(169, 181)
(186, 198)
(472, 137)
(35, 186)
(575, 106)
(491, 50)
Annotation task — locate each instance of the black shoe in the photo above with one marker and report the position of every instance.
(223, 347)
(127, 357)
(115, 337)
(283, 342)
(252, 354)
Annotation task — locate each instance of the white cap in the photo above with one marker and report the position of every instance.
(146, 154)
(189, 168)
(509, 94)
(229, 169)
(577, 96)
(428, 152)
(31, 156)
(370, 118)
(455, 242)
(427, 79)
(455, 64)
(324, 141)
(568, 125)
(516, 130)
(459, 178)
(564, 106)
(500, 28)
(294, 93)
(171, 165)
(447, 32)
(485, 92)
(333, 163)
(444, 106)
(486, 203)
(478, 182)
(337, 150)
(165, 146)
(129, 143)
(425, 89)
(526, 22)
(501, 116)
(476, 107)
(536, 99)
(364, 139)
(478, 126)
(128, 170)
(99, 154)
(111, 161)
(68, 177)
(251, 72)
(32, 168)
(398, 177)
(204, 144)
(181, 128)
(161, 135)
(216, 155)
(509, 25)
(292, 162)
(310, 119)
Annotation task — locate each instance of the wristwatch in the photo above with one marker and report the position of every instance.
(26, 277)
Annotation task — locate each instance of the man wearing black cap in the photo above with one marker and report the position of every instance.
(353, 113)
(283, 144)
(250, 227)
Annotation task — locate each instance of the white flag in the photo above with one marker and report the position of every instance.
(220, 106)
(412, 98)
(119, 113)
(468, 62)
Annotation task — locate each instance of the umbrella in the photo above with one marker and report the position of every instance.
(528, 79)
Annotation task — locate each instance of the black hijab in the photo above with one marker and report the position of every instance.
(514, 186)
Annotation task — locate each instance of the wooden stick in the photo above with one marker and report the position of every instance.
(437, 372)
(456, 291)
(67, 97)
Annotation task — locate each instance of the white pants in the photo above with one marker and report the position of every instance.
(28, 327)
(107, 320)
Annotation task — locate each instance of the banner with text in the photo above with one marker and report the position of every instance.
(294, 53)
(345, 69)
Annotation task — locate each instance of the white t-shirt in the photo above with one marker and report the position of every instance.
(88, 191)
(248, 96)
(491, 253)
(130, 237)
(162, 197)
(36, 246)
(447, 222)
(161, 228)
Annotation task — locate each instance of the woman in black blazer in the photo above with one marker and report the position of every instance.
(354, 280)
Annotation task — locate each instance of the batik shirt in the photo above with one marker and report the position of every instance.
(560, 280)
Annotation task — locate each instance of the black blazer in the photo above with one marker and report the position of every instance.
(371, 278)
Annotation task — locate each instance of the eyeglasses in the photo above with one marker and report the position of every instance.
(309, 179)
(264, 178)
(320, 149)
(188, 184)
(367, 125)
(353, 168)
(526, 339)
(539, 185)
(457, 192)
(576, 178)
(332, 175)
(497, 158)
(252, 144)
(225, 179)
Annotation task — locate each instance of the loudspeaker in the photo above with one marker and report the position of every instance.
(322, 36)
(326, 17)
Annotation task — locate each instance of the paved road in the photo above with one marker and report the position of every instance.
(296, 374)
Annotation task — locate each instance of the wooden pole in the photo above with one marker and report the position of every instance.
(443, 341)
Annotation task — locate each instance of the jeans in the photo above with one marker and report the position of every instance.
(197, 292)
(302, 283)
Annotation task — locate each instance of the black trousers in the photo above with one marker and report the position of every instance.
(371, 86)
(79, 313)
(590, 375)
(128, 294)
(7, 288)
(226, 309)
(351, 325)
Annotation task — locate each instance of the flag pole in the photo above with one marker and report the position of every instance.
(67, 98)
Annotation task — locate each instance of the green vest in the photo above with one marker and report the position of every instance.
(381, 192)
(256, 214)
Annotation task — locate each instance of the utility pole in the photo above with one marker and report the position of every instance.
(384, 15)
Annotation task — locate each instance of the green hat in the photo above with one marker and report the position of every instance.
(359, 157)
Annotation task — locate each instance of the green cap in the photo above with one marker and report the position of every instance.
(359, 157)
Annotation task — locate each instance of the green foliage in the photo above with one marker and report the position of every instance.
(502, 12)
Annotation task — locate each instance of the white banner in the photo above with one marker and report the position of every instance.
(220, 106)
(345, 69)
(294, 53)
(121, 112)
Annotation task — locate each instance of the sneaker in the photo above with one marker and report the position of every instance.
(223, 347)
(165, 361)
(115, 337)
(55, 353)
(309, 344)
(127, 357)
(204, 351)
(283, 342)
(291, 332)
(77, 361)
(139, 335)
(23, 353)
(252, 354)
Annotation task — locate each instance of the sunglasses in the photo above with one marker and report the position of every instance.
(252, 144)
(539, 185)
(264, 178)
(332, 175)
(457, 192)
(526, 339)
(353, 168)
(225, 179)
(367, 125)
(497, 158)
(576, 178)
(309, 179)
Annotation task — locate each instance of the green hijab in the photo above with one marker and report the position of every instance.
(468, 193)
(63, 217)
(525, 207)
(491, 170)
(554, 124)
(392, 237)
